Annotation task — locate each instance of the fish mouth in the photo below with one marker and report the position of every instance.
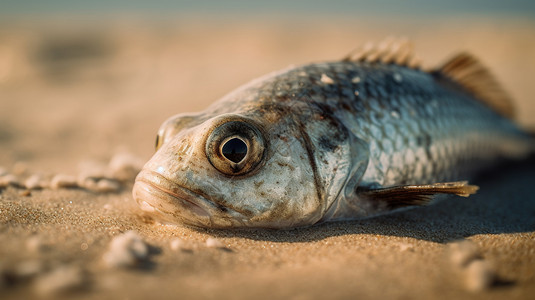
(171, 202)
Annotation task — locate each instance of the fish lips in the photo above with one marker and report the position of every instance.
(173, 203)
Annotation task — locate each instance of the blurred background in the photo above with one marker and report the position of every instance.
(83, 79)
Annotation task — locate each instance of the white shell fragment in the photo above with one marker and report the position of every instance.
(479, 276)
(60, 280)
(326, 79)
(214, 243)
(63, 181)
(462, 253)
(125, 166)
(126, 250)
(107, 186)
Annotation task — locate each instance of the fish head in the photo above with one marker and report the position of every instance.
(249, 169)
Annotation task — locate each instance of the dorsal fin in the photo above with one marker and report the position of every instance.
(391, 50)
(470, 74)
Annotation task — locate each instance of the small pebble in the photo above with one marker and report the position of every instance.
(25, 193)
(89, 183)
(34, 182)
(35, 244)
(9, 179)
(126, 250)
(60, 280)
(177, 244)
(107, 186)
(463, 252)
(125, 166)
(326, 79)
(479, 276)
(405, 247)
(63, 181)
(214, 243)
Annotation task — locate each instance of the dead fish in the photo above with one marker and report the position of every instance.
(340, 140)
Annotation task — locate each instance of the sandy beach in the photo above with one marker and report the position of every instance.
(73, 95)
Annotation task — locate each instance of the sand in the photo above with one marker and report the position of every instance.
(73, 95)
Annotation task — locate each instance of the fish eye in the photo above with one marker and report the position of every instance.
(235, 147)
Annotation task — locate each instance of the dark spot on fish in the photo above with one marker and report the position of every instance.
(282, 164)
(326, 144)
(345, 106)
(283, 98)
(423, 140)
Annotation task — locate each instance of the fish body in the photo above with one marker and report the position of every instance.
(328, 141)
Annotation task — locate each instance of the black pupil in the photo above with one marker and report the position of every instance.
(234, 150)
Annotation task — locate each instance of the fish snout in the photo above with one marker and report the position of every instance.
(175, 204)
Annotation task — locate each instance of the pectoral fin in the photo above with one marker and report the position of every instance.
(416, 195)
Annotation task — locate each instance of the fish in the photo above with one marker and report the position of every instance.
(369, 134)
